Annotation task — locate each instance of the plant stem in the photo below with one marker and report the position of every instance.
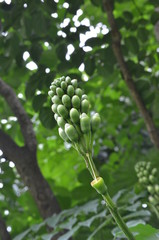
(101, 188)
(117, 217)
(92, 166)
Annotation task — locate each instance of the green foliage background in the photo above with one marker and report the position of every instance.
(122, 139)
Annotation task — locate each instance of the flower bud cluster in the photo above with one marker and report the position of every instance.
(71, 109)
(148, 179)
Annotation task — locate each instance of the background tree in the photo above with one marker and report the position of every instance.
(113, 52)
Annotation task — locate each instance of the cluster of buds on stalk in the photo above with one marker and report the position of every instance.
(71, 109)
(148, 179)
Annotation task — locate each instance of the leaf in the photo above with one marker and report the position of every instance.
(69, 224)
(119, 234)
(35, 52)
(89, 221)
(22, 235)
(89, 63)
(146, 232)
(69, 234)
(38, 101)
(36, 227)
(141, 213)
(132, 45)
(46, 117)
(49, 58)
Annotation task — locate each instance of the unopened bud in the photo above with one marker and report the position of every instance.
(63, 135)
(62, 111)
(61, 122)
(74, 115)
(152, 178)
(50, 93)
(54, 108)
(59, 92)
(76, 101)
(71, 132)
(66, 100)
(85, 106)
(56, 116)
(63, 85)
(85, 123)
(150, 189)
(79, 92)
(74, 83)
(70, 90)
(154, 171)
(95, 122)
(68, 80)
(56, 99)
(157, 188)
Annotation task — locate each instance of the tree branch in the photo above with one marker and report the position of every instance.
(8, 147)
(18, 110)
(116, 45)
(4, 234)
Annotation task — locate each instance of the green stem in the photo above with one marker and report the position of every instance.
(101, 188)
(92, 166)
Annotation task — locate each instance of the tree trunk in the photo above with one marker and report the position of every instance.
(4, 234)
(30, 173)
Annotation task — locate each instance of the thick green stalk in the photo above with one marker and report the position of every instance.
(101, 188)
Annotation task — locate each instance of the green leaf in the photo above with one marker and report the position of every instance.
(49, 58)
(46, 118)
(146, 232)
(89, 65)
(38, 101)
(22, 235)
(132, 45)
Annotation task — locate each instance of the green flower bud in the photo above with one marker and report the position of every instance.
(59, 92)
(139, 174)
(74, 115)
(154, 171)
(56, 99)
(56, 116)
(63, 85)
(70, 90)
(76, 101)
(85, 123)
(150, 189)
(95, 122)
(61, 122)
(148, 165)
(53, 88)
(63, 135)
(152, 200)
(79, 92)
(84, 96)
(152, 178)
(50, 93)
(157, 188)
(144, 180)
(62, 111)
(156, 198)
(57, 82)
(62, 78)
(68, 80)
(145, 172)
(85, 106)
(71, 132)
(74, 83)
(66, 100)
(54, 108)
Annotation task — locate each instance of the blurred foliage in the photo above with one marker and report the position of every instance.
(45, 31)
